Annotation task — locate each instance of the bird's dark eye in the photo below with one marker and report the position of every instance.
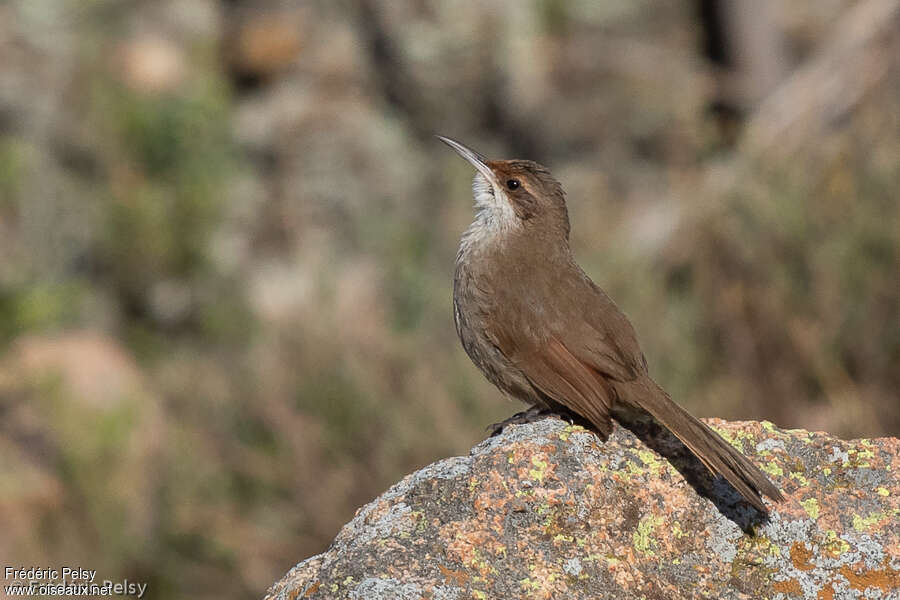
(513, 184)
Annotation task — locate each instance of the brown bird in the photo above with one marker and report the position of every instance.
(540, 330)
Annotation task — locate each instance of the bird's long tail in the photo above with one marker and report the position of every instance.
(719, 456)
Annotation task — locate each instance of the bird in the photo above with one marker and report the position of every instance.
(539, 329)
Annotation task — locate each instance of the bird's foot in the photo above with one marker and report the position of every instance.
(535, 413)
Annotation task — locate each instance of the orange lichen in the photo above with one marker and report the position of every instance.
(312, 589)
(884, 579)
(801, 555)
(789, 586)
(458, 576)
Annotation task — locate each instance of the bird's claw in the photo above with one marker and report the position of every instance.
(535, 413)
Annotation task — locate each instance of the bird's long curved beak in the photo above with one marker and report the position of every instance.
(476, 159)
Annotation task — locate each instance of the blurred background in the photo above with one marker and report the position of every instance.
(227, 237)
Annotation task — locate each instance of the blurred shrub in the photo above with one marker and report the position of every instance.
(794, 273)
(167, 194)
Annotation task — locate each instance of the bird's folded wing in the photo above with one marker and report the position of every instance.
(601, 356)
(600, 335)
(557, 373)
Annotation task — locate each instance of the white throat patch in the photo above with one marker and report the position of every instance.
(493, 215)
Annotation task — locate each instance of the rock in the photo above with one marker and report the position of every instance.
(548, 510)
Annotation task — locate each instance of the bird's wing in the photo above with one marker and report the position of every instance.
(600, 354)
(600, 335)
(566, 380)
(583, 346)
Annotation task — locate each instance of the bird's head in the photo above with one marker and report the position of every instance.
(516, 194)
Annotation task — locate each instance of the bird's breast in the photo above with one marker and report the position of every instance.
(476, 314)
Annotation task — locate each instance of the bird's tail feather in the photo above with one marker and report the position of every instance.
(719, 456)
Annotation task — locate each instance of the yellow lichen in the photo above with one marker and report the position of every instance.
(835, 545)
(862, 524)
(811, 506)
(641, 538)
(539, 472)
(565, 433)
(800, 477)
(633, 469)
(528, 584)
(772, 468)
(736, 438)
(651, 460)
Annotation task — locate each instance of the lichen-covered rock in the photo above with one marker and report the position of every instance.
(548, 510)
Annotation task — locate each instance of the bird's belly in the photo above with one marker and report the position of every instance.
(489, 359)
